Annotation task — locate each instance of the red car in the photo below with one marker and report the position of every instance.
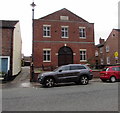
(110, 73)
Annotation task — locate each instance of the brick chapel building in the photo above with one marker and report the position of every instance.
(62, 38)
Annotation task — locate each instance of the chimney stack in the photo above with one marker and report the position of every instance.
(101, 41)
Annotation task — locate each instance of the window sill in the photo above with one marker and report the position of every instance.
(46, 61)
(82, 37)
(83, 60)
(46, 36)
(64, 37)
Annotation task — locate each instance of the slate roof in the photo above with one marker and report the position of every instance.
(7, 23)
(63, 12)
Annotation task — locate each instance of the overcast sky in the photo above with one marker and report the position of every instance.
(103, 13)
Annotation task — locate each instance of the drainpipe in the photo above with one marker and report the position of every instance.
(10, 73)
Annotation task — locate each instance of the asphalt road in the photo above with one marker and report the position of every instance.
(96, 96)
(21, 95)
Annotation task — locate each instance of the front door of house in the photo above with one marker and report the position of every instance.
(4, 65)
(65, 56)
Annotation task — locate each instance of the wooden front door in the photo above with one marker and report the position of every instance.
(65, 56)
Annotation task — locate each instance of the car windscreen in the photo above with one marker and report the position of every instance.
(106, 69)
(57, 69)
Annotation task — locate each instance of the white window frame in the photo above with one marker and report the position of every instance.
(107, 48)
(96, 53)
(63, 30)
(101, 50)
(83, 55)
(46, 30)
(101, 61)
(47, 60)
(82, 31)
(108, 60)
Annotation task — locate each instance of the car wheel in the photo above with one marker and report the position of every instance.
(84, 80)
(112, 79)
(49, 82)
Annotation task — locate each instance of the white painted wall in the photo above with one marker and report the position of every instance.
(17, 46)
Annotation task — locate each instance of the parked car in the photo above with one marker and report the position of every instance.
(110, 73)
(80, 74)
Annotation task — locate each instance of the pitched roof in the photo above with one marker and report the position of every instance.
(64, 12)
(7, 23)
(100, 45)
(117, 30)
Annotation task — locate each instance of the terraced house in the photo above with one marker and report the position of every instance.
(11, 45)
(62, 38)
(107, 52)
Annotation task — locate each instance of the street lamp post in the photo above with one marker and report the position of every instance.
(32, 59)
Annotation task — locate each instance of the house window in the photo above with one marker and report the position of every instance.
(64, 30)
(107, 48)
(83, 57)
(46, 55)
(96, 53)
(82, 32)
(101, 50)
(113, 34)
(101, 61)
(46, 30)
(108, 60)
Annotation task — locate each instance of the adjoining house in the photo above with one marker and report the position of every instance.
(62, 38)
(107, 52)
(11, 44)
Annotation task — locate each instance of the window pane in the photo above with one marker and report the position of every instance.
(64, 31)
(44, 58)
(116, 68)
(82, 55)
(66, 34)
(65, 68)
(46, 31)
(82, 32)
(44, 52)
(46, 55)
(73, 67)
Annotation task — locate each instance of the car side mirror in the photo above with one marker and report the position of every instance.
(60, 70)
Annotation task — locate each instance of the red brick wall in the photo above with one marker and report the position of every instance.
(74, 42)
(112, 41)
(7, 45)
(38, 55)
(56, 31)
(6, 42)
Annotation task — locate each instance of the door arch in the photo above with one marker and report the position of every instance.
(65, 56)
